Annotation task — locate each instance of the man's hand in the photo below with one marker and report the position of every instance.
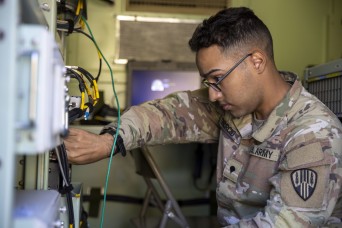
(84, 147)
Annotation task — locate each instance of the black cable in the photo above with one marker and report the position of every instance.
(64, 163)
(69, 191)
(100, 59)
(76, 113)
(91, 79)
(79, 74)
(67, 187)
(87, 35)
(99, 71)
(71, 19)
(70, 208)
(74, 74)
(86, 73)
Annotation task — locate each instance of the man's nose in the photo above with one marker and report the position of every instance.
(214, 95)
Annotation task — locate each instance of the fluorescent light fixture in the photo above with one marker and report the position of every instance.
(121, 61)
(156, 19)
(125, 18)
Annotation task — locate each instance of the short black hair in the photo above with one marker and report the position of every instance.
(235, 27)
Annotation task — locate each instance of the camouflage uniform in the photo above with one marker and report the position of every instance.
(287, 173)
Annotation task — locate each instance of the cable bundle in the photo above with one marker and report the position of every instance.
(84, 108)
(66, 188)
(71, 15)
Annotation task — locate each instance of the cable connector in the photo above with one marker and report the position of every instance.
(86, 114)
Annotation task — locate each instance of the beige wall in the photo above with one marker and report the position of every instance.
(305, 32)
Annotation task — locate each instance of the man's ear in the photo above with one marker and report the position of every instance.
(259, 59)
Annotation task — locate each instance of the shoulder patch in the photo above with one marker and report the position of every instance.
(305, 188)
(304, 182)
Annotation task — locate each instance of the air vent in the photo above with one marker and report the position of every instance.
(178, 6)
(155, 41)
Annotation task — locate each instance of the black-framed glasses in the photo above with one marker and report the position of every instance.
(215, 86)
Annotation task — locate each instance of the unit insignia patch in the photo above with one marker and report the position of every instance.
(304, 182)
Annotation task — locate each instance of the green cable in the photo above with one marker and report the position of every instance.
(118, 126)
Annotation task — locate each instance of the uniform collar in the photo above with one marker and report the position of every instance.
(278, 117)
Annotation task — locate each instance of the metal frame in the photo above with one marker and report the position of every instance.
(9, 11)
(325, 81)
(170, 209)
(9, 35)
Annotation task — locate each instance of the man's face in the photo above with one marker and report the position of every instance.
(240, 92)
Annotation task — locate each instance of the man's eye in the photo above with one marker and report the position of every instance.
(216, 79)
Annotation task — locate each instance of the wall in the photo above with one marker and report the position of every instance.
(305, 32)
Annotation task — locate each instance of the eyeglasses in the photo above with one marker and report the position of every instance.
(215, 85)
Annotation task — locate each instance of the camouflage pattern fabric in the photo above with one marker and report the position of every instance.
(286, 173)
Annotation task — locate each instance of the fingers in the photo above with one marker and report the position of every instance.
(84, 147)
(74, 132)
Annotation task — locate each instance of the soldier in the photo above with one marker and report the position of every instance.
(279, 159)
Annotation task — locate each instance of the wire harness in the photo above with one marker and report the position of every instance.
(84, 108)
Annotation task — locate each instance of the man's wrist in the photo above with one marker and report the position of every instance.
(107, 143)
(120, 147)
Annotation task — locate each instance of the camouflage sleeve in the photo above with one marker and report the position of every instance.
(178, 118)
(307, 186)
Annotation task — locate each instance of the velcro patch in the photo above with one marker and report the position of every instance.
(305, 155)
(227, 130)
(232, 170)
(265, 153)
(304, 182)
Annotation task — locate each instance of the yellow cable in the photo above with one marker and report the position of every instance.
(87, 88)
(82, 101)
(96, 89)
(99, 53)
(79, 6)
(94, 97)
